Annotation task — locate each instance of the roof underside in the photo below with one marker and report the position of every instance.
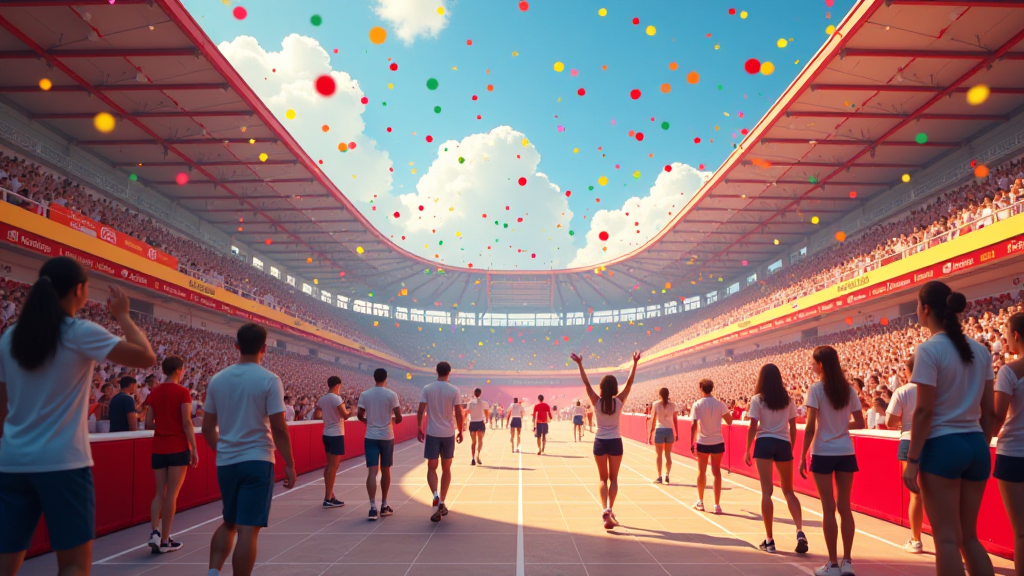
(848, 122)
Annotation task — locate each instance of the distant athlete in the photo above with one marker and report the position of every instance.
(515, 424)
(439, 402)
(541, 416)
(334, 412)
(479, 411)
(378, 407)
(577, 422)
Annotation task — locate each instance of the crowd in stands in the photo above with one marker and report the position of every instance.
(969, 207)
(205, 353)
(43, 187)
(872, 355)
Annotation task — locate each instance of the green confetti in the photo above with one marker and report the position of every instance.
(921, 138)
(432, 84)
(134, 177)
(316, 20)
(664, 125)
(571, 233)
(461, 160)
(437, 109)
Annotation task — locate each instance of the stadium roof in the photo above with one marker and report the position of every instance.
(892, 70)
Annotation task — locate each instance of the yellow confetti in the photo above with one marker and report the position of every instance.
(45, 84)
(830, 30)
(906, 178)
(978, 94)
(602, 12)
(440, 10)
(744, 14)
(575, 150)
(782, 43)
(359, 249)
(651, 30)
(767, 68)
(559, 66)
(104, 122)
(526, 142)
(290, 114)
(390, 86)
(263, 156)
(603, 180)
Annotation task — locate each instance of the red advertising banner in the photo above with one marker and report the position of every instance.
(77, 221)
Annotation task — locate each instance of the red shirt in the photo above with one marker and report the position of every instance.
(165, 401)
(542, 412)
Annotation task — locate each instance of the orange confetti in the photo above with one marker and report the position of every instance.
(673, 66)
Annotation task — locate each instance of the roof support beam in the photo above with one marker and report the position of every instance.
(109, 53)
(117, 87)
(971, 3)
(888, 116)
(860, 142)
(179, 142)
(204, 164)
(943, 54)
(173, 114)
(269, 182)
(831, 165)
(901, 88)
(751, 181)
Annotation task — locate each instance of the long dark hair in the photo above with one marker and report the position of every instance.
(37, 334)
(609, 388)
(945, 305)
(769, 386)
(1015, 324)
(664, 395)
(837, 389)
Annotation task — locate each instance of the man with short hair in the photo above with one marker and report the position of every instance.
(478, 411)
(439, 401)
(378, 407)
(123, 417)
(247, 402)
(514, 416)
(334, 412)
(541, 417)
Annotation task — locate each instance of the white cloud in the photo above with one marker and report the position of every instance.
(284, 81)
(411, 19)
(456, 195)
(640, 219)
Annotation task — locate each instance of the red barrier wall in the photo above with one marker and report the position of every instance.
(124, 480)
(876, 458)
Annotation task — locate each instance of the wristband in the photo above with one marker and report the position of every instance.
(913, 460)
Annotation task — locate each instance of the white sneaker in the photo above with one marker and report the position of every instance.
(913, 547)
(154, 541)
(718, 509)
(699, 506)
(846, 568)
(829, 569)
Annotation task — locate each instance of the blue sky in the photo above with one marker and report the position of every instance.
(515, 51)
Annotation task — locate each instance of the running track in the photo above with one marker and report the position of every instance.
(517, 514)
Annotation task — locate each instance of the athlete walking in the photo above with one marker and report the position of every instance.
(515, 424)
(378, 407)
(577, 422)
(541, 416)
(708, 443)
(479, 412)
(439, 401)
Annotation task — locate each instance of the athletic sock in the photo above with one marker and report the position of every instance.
(372, 505)
(383, 503)
(213, 572)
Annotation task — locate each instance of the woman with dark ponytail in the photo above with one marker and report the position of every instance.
(949, 461)
(607, 440)
(46, 366)
(663, 432)
(830, 403)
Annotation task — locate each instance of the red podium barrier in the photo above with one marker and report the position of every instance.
(124, 479)
(876, 458)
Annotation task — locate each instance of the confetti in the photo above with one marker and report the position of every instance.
(752, 66)
(603, 236)
(975, 95)
(602, 12)
(45, 84)
(841, 236)
(181, 178)
(316, 20)
(524, 6)
(432, 84)
(666, 88)
(906, 178)
(782, 43)
(239, 13)
(559, 66)
(378, 35)
(104, 122)
(325, 85)
(693, 78)
(634, 94)
(651, 30)
(981, 171)
(921, 138)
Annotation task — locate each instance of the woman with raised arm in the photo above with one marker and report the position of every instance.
(773, 425)
(831, 401)
(46, 366)
(949, 460)
(607, 441)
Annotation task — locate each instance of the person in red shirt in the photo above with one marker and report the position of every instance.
(174, 450)
(541, 417)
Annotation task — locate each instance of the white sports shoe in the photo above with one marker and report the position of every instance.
(829, 569)
(718, 509)
(913, 547)
(699, 506)
(846, 568)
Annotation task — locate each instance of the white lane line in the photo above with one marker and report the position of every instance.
(783, 501)
(520, 552)
(216, 518)
(684, 505)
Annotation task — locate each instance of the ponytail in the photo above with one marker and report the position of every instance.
(837, 389)
(664, 396)
(609, 388)
(37, 334)
(946, 305)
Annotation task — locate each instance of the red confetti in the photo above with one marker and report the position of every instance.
(524, 5)
(732, 11)
(853, 193)
(394, 66)
(351, 145)
(603, 236)
(469, 42)
(701, 167)
(634, 94)
(325, 85)
(743, 131)
(668, 167)
(430, 138)
(389, 128)
(581, 92)
(636, 21)
(341, 274)
(474, 96)
(568, 193)
(640, 136)
(696, 140)
(268, 241)
(519, 219)
(522, 181)
(364, 100)
(397, 214)
(421, 208)
(240, 13)
(533, 255)
(181, 179)
(752, 66)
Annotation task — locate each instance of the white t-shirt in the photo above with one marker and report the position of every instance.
(958, 386)
(772, 423)
(665, 414)
(476, 408)
(379, 404)
(578, 411)
(47, 429)
(243, 396)
(903, 404)
(333, 424)
(516, 410)
(832, 436)
(708, 411)
(608, 424)
(441, 399)
(289, 413)
(1011, 437)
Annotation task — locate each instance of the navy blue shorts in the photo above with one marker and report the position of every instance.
(517, 422)
(161, 461)
(821, 464)
(957, 456)
(664, 436)
(435, 447)
(66, 498)
(247, 488)
(768, 448)
(480, 426)
(334, 445)
(903, 451)
(711, 448)
(1009, 468)
(608, 447)
(577, 420)
(542, 429)
(379, 452)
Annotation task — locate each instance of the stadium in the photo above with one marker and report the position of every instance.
(208, 183)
